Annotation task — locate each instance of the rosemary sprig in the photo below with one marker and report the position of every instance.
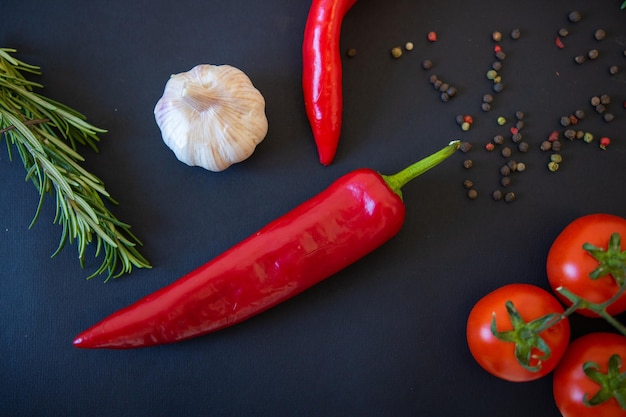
(45, 134)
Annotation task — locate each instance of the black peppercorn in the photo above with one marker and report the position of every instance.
(516, 137)
(505, 171)
(497, 195)
(485, 106)
(515, 34)
(496, 65)
(466, 147)
(574, 16)
(498, 139)
(519, 115)
(506, 152)
(608, 117)
(523, 146)
(556, 146)
(451, 91)
(593, 54)
(498, 87)
(427, 64)
(505, 181)
(468, 184)
(433, 79)
(467, 164)
(546, 145)
(509, 197)
(600, 108)
(580, 114)
(472, 194)
(565, 121)
(605, 99)
(613, 69)
(570, 134)
(487, 98)
(563, 32)
(579, 59)
(595, 100)
(599, 34)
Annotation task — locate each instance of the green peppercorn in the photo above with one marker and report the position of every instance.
(501, 120)
(491, 74)
(465, 126)
(553, 166)
(588, 137)
(556, 157)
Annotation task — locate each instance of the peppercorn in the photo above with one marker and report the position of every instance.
(468, 184)
(523, 147)
(553, 166)
(593, 54)
(500, 55)
(512, 164)
(432, 79)
(490, 147)
(427, 64)
(506, 152)
(519, 125)
(519, 115)
(485, 107)
(588, 137)
(505, 181)
(451, 91)
(498, 87)
(600, 108)
(605, 99)
(574, 16)
(445, 97)
(554, 136)
(559, 43)
(509, 197)
(516, 34)
(465, 126)
(595, 100)
(465, 147)
(498, 139)
(608, 117)
(570, 134)
(516, 137)
(563, 32)
(459, 118)
(599, 34)
(545, 145)
(467, 164)
(604, 142)
(487, 98)
(505, 171)
(497, 195)
(565, 121)
(351, 52)
(579, 134)
(432, 36)
(409, 46)
(501, 120)
(468, 119)
(556, 157)
(437, 84)
(521, 167)
(573, 119)
(556, 146)
(444, 87)
(491, 74)
(496, 36)
(472, 194)
(396, 52)
(580, 59)
(613, 69)
(496, 65)
(580, 114)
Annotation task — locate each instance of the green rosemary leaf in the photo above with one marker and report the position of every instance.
(45, 133)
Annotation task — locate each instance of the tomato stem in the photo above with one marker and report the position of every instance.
(598, 308)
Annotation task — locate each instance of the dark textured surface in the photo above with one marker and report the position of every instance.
(385, 337)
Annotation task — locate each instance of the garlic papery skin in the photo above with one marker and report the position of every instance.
(211, 116)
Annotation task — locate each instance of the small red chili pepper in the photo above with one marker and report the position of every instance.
(322, 74)
(355, 215)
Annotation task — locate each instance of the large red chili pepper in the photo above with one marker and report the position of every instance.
(321, 75)
(355, 215)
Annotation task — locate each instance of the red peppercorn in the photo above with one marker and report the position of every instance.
(514, 130)
(432, 36)
(490, 147)
(604, 142)
(554, 136)
(559, 44)
(497, 48)
(468, 119)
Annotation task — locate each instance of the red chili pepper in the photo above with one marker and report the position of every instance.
(322, 72)
(355, 215)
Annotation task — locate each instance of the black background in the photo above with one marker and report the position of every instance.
(386, 336)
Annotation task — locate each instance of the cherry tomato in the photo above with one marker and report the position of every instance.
(571, 384)
(497, 356)
(569, 265)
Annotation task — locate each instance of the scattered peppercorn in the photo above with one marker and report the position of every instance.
(465, 126)
(496, 36)
(546, 145)
(574, 16)
(396, 52)
(505, 181)
(570, 134)
(487, 98)
(595, 100)
(497, 195)
(427, 64)
(593, 54)
(496, 65)
(468, 184)
(608, 117)
(556, 146)
(351, 52)
(498, 139)
(467, 164)
(519, 115)
(509, 197)
(565, 121)
(516, 34)
(521, 167)
(432, 36)
(409, 46)
(512, 164)
(506, 152)
(556, 157)
(500, 55)
(553, 166)
(600, 108)
(599, 34)
(498, 87)
(605, 99)
(485, 107)
(588, 137)
(501, 120)
(604, 142)
(523, 147)
(472, 194)
(490, 147)
(554, 136)
(516, 137)
(466, 147)
(559, 43)
(505, 171)
(433, 79)
(613, 69)
(563, 32)
(580, 59)
(580, 114)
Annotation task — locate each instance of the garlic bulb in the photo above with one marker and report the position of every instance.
(211, 116)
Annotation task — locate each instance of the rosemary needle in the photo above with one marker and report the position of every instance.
(45, 134)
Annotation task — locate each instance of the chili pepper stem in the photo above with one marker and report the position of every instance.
(400, 179)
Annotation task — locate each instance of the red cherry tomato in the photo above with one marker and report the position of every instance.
(497, 356)
(569, 265)
(571, 385)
